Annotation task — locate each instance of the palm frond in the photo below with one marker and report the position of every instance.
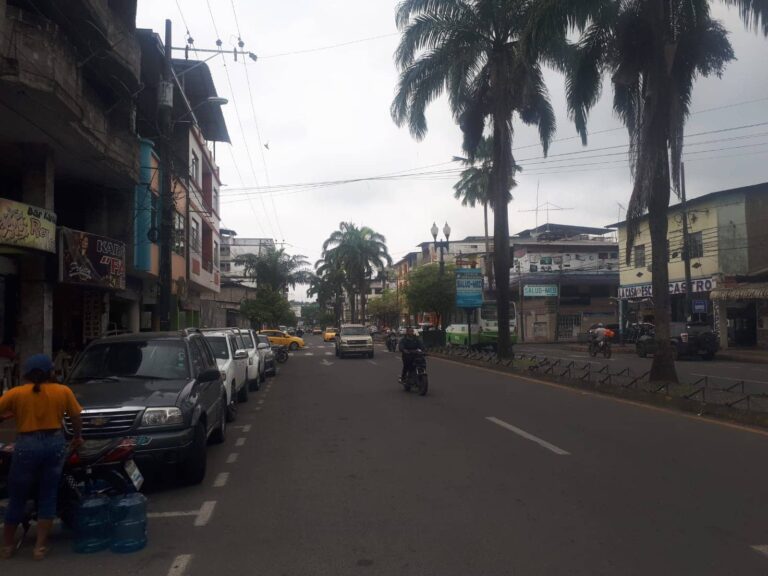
(754, 13)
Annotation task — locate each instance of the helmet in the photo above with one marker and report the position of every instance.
(600, 325)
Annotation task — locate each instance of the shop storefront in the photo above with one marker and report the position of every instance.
(91, 298)
(746, 312)
(637, 301)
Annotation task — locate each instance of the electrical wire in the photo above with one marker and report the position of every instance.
(329, 47)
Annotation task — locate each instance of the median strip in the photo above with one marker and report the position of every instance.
(527, 436)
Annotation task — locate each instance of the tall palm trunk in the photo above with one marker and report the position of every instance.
(363, 292)
(654, 155)
(488, 263)
(500, 176)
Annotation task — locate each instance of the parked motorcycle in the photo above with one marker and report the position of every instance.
(417, 377)
(99, 466)
(281, 354)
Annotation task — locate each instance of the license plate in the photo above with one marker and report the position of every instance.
(134, 474)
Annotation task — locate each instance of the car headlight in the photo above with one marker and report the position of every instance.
(162, 417)
(223, 375)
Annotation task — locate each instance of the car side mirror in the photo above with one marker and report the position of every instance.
(241, 354)
(209, 375)
(263, 346)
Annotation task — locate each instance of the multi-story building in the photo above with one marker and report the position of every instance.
(729, 265)
(232, 247)
(69, 165)
(563, 279)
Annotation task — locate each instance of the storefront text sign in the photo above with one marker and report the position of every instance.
(92, 260)
(540, 291)
(27, 226)
(646, 290)
(469, 288)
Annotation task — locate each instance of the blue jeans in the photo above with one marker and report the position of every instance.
(38, 459)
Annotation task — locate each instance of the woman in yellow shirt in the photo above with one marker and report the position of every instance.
(40, 449)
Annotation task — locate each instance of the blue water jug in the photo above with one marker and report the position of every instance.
(129, 522)
(93, 530)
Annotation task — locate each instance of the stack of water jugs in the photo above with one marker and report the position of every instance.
(118, 523)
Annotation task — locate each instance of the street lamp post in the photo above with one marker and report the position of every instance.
(443, 245)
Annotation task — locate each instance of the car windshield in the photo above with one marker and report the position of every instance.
(354, 331)
(330, 329)
(150, 360)
(219, 347)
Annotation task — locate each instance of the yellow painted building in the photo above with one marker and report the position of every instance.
(728, 240)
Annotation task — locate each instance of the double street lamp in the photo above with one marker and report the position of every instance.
(443, 246)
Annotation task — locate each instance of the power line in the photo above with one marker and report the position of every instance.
(329, 47)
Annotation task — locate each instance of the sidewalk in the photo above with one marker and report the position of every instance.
(729, 354)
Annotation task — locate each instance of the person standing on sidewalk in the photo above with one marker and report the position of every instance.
(40, 449)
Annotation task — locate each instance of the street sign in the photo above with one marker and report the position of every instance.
(540, 291)
(469, 288)
(699, 306)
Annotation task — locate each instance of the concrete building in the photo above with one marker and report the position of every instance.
(729, 265)
(232, 247)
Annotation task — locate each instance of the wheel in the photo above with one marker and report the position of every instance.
(220, 434)
(592, 350)
(293, 346)
(642, 351)
(607, 351)
(242, 394)
(406, 385)
(422, 384)
(193, 468)
(232, 406)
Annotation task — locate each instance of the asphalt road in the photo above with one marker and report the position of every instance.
(334, 470)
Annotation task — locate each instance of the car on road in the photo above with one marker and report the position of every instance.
(317, 330)
(329, 334)
(162, 387)
(354, 339)
(233, 364)
(255, 369)
(267, 354)
(692, 339)
(281, 338)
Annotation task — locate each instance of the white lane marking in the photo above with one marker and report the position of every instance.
(240, 442)
(329, 353)
(372, 362)
(205, 513)
(232, 458)
(221, 480)
(326, 363)
(732, 379)
(309, 353)
(761, 548)
(260, 402)
(258, 408)
(527, 436)
(179, 565)
(247, 428)
(172, 514)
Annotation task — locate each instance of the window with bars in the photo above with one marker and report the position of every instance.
(194, 168)
(178, 233)
(194, 239)
(696, 245)
(640, 256)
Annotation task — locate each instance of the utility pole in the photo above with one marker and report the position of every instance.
(165, 113)
(686, 244)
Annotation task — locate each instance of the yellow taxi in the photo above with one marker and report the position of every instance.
(329, 335)
(280, 338)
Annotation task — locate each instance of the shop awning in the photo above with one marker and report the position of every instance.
(743, 291)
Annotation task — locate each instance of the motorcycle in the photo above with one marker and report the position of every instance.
(416, 377)
(98, 467)
(603, 346)
(392, 342)
(281, 354)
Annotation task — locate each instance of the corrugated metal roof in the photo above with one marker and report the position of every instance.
(743, 291)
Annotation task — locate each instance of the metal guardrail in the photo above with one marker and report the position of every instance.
(733, 395)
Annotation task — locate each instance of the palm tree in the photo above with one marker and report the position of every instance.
(275, 268)
(358, 252)
(472, 49)
(328, 287)
(474, 187)
(654, 50)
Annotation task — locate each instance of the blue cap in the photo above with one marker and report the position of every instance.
(38, 362)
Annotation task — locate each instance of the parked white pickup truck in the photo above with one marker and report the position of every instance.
(232, 361)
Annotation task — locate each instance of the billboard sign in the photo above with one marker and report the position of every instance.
(27, 226)
(540, 291)
(469, 288)
(91, 260)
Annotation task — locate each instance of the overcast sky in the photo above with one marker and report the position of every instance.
(324, 114)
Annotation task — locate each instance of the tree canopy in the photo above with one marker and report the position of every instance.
(430, 291)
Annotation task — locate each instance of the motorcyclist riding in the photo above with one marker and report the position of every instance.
(408, 344)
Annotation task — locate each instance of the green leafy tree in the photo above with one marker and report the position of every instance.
(430, 291)
(473, 51)
(653, 51)
(268, 308)
(385, 309)
(275, 268)
(358, 253)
